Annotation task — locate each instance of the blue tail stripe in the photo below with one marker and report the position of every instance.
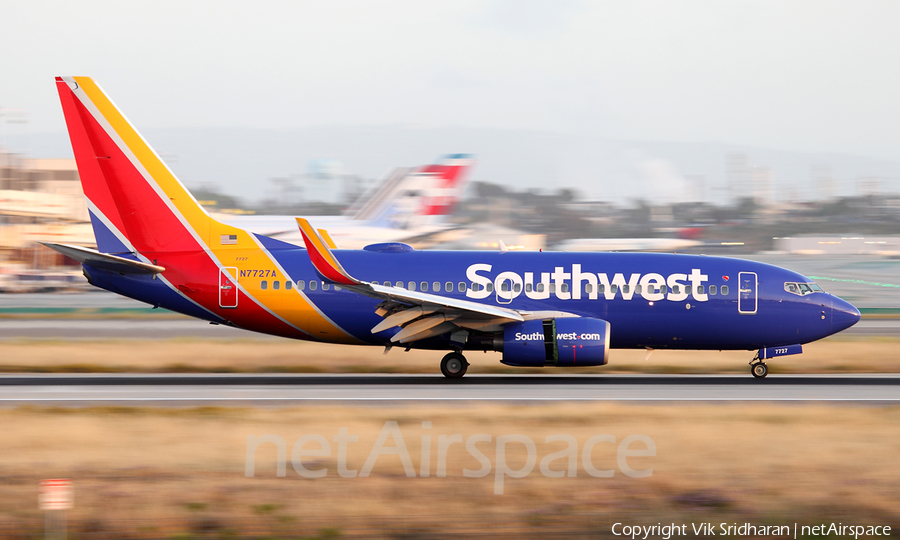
(107, 242)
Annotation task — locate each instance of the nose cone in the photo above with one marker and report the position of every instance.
(843, 315)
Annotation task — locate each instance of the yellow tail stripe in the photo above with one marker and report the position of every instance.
(181, 198)
(327, 238)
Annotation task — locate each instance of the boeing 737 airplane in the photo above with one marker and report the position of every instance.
(157, 245)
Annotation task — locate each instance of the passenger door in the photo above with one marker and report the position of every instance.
(747, 293)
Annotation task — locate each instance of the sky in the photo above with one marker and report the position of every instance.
(808, 76)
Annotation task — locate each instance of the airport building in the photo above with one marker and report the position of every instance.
(40, 199)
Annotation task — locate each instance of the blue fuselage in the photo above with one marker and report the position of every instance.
(650, 300)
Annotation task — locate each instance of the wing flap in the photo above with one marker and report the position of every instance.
(420, 298)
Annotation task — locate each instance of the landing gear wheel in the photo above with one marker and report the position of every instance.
(759, 370)
(454, 365)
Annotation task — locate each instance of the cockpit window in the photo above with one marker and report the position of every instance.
(802, 289)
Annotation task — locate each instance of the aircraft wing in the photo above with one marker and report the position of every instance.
(420, 314)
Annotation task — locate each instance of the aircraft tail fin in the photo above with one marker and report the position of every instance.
(407, 197)
(451, 174)
(373, 203)
(136, 203)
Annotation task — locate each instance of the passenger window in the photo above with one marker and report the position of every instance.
(476, 287)
(701, 289)
(276, 285)
(638, 289)
(588, 288)
(724, 290)
(313, 285)
(540, 287)
(663, 289)
(517, 287)
(528, 287)
(398, 284)
(448, 287)
(712, 290)
(264, 285)
(288, 285)
(504, 286)
(411, 285)
(490, 287)
(676, 289)
(423, 286)
(601, 288)
(614, 289)
(301, 285)
(436, 286)
(326, 285)
(626, 289)
(461, 286)
(553, 288)
(564, 287)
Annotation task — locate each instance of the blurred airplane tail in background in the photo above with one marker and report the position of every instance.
(136, 203)
(415, 197)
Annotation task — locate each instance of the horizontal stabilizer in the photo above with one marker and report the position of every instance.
(105, 261)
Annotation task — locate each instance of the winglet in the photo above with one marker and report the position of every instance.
(322, 257)
(327, 237)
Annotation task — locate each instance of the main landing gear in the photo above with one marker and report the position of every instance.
(758, 368)
(454, 365)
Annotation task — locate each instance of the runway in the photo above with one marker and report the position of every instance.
(94, 329)
(99, 329)
(286, 390)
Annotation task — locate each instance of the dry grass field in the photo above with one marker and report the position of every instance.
(180, 473)
(833, 355)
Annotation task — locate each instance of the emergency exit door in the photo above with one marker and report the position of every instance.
(747, 293)
(228, 291)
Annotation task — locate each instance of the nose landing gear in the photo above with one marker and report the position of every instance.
(454, 365)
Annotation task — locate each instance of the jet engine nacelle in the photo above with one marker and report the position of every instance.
(557, 342)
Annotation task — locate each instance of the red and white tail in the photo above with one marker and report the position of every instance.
(419, 197)
(447, 184)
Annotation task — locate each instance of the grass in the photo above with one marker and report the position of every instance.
(183, 470)
(833, 355)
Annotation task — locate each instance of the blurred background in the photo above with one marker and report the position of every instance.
(749, 129)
